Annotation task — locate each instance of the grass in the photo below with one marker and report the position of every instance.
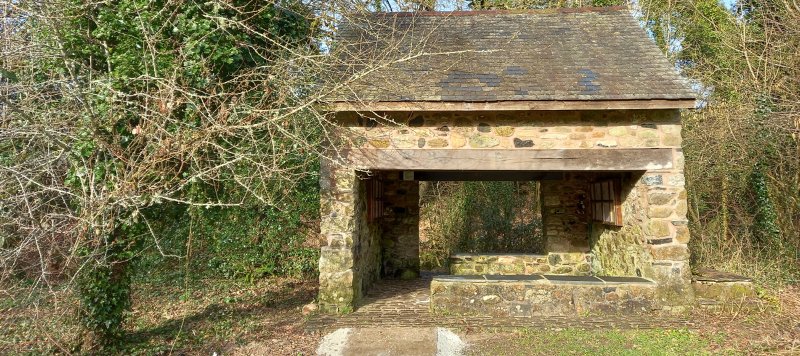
(170, 317)
(611, 342)
(205, 316)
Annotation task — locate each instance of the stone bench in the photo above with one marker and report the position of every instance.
(541, 295)
(714, 288)
(520, 263)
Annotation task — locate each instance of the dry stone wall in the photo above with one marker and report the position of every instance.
(519, 264)
(522, 297)
(564, 213)
(517, 130)
(349, 262)
(400, 226)
(652, 242)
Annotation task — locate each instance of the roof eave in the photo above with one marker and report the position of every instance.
(515, 105)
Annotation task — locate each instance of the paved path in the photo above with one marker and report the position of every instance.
(405, 303)
(391, 341)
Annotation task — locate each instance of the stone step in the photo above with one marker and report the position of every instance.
(541, 295)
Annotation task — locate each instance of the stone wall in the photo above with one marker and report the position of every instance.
(349, 262)
(519, 264)
(518, 130)
(526, 297)
(652, 242)
(400, 227)
(564, 213)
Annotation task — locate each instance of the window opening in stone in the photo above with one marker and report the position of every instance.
(477, 217)
(606, 202)
(375, 203)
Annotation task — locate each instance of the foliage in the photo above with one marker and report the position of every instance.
(116, 112)
(246, 243)
(741, 146)
(479, 217)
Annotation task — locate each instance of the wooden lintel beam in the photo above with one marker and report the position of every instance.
(475, 176)
(628, 159)
(511, 105)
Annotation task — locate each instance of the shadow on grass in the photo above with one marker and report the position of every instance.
(218, 313)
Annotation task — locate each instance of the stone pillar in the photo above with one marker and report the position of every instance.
(339, 199)
(667, 233)
(400, 238)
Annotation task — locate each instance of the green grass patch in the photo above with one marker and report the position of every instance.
(603, 342)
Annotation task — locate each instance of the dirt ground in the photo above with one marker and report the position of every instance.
(265, 319)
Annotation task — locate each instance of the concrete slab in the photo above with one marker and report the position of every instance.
(513, 278)
(391, 341)
(585, 280)
(625, 280)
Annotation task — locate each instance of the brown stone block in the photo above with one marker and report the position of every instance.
(681, 208)
(672, 141)
(381, 143)
(648, 134)
(659, 211)
(457, 140)
(404, 141)
(682, 234)
(631, 142)
(659, 198)
(483, 141)
(437, 143)
(657, 228)
(670, 252)
(504, 131)
(618, 131)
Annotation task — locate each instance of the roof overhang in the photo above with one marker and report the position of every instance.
(511, 105)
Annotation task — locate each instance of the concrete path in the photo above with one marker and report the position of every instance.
(391, 341)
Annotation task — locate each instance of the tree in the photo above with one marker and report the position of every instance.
(112, 109)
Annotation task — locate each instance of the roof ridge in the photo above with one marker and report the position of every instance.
(500, 12)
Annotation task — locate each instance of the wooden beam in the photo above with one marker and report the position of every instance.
(511, 105)
(474, 176)
(629, 159)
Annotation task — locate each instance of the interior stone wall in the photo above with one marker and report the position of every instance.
(400, 227)
(620, 250)
(565, 215)
(519, 264)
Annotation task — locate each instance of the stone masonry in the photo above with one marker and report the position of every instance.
(350, 259)
(400, 225)
(652, 243)
(531, 296)
(515, 130)
(519, 264)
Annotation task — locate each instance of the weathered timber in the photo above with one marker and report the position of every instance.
(511, 105)
(474, 176)
(637, 159)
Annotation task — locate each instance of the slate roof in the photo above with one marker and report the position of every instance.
(484, 56)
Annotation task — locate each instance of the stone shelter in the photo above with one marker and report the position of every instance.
(581, 100)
